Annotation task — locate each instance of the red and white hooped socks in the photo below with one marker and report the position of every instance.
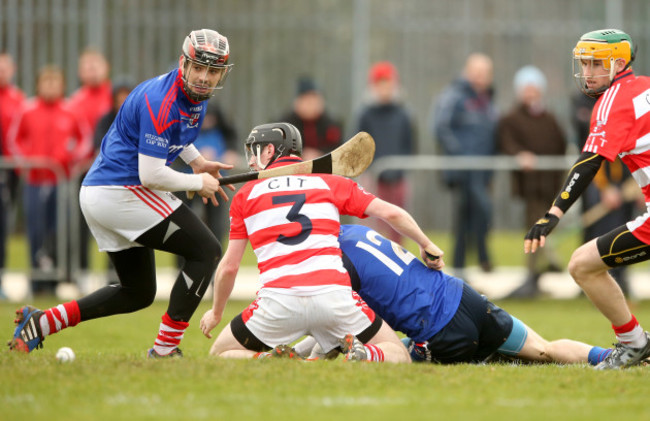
(56, 318)
(169, 336)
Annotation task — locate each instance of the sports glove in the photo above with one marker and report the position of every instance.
(542, 227)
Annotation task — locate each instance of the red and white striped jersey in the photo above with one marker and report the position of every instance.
(293, 225)
(620, 125)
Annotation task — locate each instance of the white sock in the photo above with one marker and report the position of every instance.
(635, 338)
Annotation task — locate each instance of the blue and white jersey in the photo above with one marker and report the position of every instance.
(410, 297)
(157, 119)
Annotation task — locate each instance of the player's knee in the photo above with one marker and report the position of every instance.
(140, 297)
(581, 265)
(208, 251)
(574, 265)
(406, 357)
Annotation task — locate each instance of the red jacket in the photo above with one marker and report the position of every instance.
(51, 131)
(92, 102)
(11, 101)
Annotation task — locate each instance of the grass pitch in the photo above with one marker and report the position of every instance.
(111, 379)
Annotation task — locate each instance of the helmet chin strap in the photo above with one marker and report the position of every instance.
(612, 69)
(257, 157)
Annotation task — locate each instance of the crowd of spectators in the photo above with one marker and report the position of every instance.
(65, 133)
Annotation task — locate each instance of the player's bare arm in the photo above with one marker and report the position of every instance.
(404, 223)
(224, 282)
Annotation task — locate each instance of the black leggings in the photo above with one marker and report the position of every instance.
(620, 247)
(182, 233)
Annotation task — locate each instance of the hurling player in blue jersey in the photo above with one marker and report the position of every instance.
(446, 319)
(127, 201)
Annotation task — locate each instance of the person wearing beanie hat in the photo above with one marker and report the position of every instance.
(526, 132)
(383, 70)
(321, 133)
(529, 75)
(390, 123)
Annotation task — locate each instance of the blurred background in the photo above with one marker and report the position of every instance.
(334, 43)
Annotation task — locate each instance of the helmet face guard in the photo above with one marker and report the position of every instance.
(284, 137)
(204, 63)
(607, 46)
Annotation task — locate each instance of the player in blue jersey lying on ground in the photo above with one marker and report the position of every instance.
(446, 320)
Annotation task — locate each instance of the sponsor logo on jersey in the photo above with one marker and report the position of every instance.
(191, 119)
(175, 148)
(153, 140)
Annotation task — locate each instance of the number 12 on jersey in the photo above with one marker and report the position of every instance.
(402, 257)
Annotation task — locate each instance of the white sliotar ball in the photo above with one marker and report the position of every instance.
(65, 355)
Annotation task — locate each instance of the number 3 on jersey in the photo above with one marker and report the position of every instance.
(402, 256)
(294, 215)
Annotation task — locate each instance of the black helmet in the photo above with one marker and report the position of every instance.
(208, 48)
(285, 138)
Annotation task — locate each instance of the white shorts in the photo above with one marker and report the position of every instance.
(117, 215)
(280, 319)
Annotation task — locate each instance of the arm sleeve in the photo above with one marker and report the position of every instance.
(156, 175)
(580, 175)
(189, 154)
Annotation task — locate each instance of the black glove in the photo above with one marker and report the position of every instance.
(542, 227)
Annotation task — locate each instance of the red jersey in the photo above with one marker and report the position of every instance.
(52, 131)
(293, 225)
(11, 101)
(620, 125)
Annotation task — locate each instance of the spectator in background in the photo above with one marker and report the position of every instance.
(50, 130)
(529, 130)
(11, 100)
(121, 88)
(389, 122)
(606, 188)
(320, 132)
(92, 100)
(464, 124)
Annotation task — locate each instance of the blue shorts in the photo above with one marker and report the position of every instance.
(478, 329)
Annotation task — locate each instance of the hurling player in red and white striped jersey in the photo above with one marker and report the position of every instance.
(292, 223)
(620, 126)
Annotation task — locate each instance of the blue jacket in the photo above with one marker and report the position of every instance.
(464, 123)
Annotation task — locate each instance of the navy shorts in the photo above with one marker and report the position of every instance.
(477, 330)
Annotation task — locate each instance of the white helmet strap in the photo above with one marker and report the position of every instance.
(258, 153)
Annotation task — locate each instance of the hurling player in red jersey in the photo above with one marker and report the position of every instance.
(620, 126)
(293, 225)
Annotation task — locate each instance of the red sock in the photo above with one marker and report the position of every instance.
(170, 335)
(374, 353)
(59, 317)
(630, 333)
